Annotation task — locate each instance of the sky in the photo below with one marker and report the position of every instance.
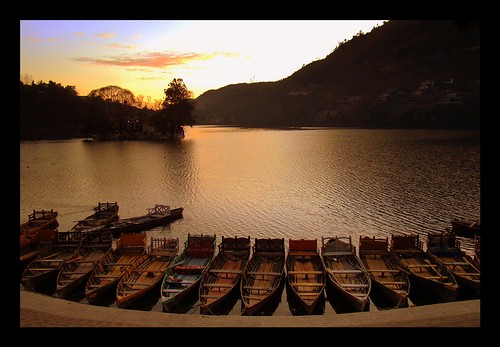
(144, 56)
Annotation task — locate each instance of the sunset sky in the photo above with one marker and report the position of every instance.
(145, 56)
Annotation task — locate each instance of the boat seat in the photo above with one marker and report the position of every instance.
(257, 288)
(392, 282)
(332, 254)
(311, 253)
(155, 271)
(307, 284)
(172, 290)
(222, 285)
(384, 270)
(313, 272)
(263, 273)
(208, 296)
(136, 284)
(225, 271)
(354, 285)
(344, 271)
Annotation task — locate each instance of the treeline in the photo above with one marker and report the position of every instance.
(51, 111)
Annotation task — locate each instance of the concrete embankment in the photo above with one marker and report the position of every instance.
(38, 310)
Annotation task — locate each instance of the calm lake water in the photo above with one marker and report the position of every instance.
(304, 183)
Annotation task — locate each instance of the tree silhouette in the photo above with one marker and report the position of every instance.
(177, 109)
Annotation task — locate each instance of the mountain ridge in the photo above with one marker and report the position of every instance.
(403, 74)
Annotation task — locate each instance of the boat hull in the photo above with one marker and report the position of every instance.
(263, 275)
(143, 223)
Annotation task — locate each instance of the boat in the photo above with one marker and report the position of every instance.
(40, 225)
(146, 274)
(305, 273)
(349, 280)
(156, 216)
(263, 274)
(390, 285)
(445, 248)
(42, 271)
(477, 249)
(109, 269)
(427, 276)
(224, 273)
(39, 241)
(104, 214)
(465, 227)
(41, 219)
(74, 273)
(183, 277)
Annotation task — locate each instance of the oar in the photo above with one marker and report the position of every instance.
(178, 263)
(433, 267)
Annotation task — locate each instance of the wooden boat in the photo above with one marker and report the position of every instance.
(156, 216)
(261, 278)
(224, 273)
(74, 273)
(477, 249)
(41, 219)
(347, 275)
(183, 277)
(424, 271)
(465, 227)
(390, 285)
(109, 269)
(445, 248)
(40, 241)
(44, 268)
(147, 272)
(104, 214)
(305, 273)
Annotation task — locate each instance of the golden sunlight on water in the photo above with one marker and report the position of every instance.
(265, 183)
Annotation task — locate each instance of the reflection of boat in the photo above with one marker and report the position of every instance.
(74, 273)
(305, 273)
(224, 273)
(465, 227)
(350, 281)
(423, 269)
(45, 267)
(105, 213)
(262, 275)
(156, 216)
(390, 284)
(109, 269)
(147, 272)
(183, 277)
(445, 247)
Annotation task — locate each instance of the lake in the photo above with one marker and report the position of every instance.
(293, 183)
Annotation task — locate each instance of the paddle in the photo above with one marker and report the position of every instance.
(178, 263)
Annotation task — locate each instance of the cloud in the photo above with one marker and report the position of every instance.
(119, 45)
(106, 35)
(154, 59)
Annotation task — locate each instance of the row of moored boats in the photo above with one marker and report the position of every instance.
(383, 271)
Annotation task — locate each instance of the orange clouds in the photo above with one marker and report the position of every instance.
(154, 59)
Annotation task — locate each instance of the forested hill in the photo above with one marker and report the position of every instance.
(403, 74)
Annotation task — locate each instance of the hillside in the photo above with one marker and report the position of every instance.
(403, 74)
